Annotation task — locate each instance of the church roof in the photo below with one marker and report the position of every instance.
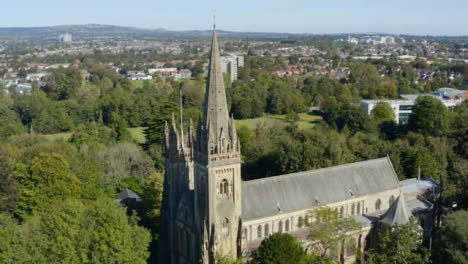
(297, 191)
(398, 213)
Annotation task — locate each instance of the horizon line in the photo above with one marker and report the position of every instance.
(236, 31)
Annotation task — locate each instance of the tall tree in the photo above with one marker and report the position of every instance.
(429, 117)
(330, 230)
(399, 244)
(454, 238)
(279, 248)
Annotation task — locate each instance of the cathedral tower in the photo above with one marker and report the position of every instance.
(201, 206)
(217, 169)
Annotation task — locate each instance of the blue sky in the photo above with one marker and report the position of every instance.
(435, 17)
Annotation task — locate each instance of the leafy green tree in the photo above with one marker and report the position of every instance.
(10, 121)
(47, 177)
(52, 119)
(429, 117)
(399, 244)
(64, 83)
(155, 131)
(8, 187)
(74, 231)
(92, 134)
(279, 248)
(459, 129)
(122, 162)
(382, 112)
(366, 78)
(226, 260)
(454, 238)
(330, 230)
(346, 115)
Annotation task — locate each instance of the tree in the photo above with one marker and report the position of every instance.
(10, 121)
(154, 133)
(330, 230)
(47, 177)
(8, 187)
(279, 248)
(382, 112)
(366, 78)
(347, 115)
(454, 238)
(74, 231)
(429, 117)
(125, 161)
(399, 244)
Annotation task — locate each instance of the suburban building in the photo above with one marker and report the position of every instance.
(207, 210)
(402, 108)
(163, 72)
(230, 64)
(65, 38)
(451, 94)
(138, 76)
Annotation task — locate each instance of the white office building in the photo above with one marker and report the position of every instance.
(402, 108)
(65, 38)
(230, 64)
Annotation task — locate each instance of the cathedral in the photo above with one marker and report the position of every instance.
(208, 211)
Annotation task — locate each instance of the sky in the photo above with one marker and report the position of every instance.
(420, 17)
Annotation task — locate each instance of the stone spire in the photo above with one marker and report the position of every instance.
(215, 112)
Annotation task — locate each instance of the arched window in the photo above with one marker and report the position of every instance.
(259, 231)
(245, 233)
(391, 200)
(267, 230)
(341, 211)
(225, 228)
(378, 204)
(350, 247)
(359, 208)
(300, 222)
(280, 226)
(224, 187)
(286, 226)
(352, 209)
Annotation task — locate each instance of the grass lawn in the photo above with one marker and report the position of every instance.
(59, 136)
(137, 133)
(305, 121)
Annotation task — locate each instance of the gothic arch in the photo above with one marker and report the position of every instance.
(267, 230)
(391, 200)
(378, 204)
(225, 227)
(259, 231)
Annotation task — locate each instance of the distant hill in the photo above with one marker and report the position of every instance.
(92, 31)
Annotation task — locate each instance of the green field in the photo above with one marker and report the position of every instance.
(137, 134)
(305, 121)
(59, 136)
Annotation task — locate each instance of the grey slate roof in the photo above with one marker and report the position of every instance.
(127, 194)
(292, 192)
(398, 213)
